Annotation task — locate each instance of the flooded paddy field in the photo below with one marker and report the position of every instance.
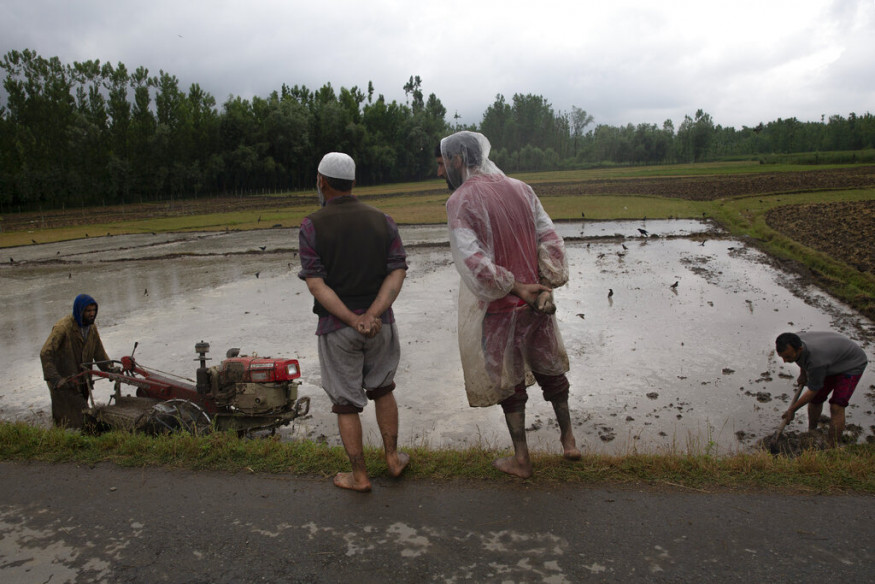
(654, 368)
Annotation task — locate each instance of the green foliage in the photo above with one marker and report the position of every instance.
(86, 134)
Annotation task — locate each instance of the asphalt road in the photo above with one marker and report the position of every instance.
(73, 523)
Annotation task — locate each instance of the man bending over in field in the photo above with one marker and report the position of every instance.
(829, 363)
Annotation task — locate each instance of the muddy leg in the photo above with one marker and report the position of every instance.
(836, 424)
(350, 426)
(519, 464)
(814, 411)
(387, 419)
(67, 406)
(566, 435)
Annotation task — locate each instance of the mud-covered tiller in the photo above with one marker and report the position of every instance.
(244, 394)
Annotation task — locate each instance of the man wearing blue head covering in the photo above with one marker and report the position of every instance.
(74, 341)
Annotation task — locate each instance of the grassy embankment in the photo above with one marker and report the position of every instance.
(849, 469)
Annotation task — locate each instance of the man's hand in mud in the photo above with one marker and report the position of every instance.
(788, 415)
(528, 292)
(545, 303)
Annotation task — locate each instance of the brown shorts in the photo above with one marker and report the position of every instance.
(841, 386)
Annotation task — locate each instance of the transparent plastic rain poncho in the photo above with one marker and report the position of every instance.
(499, 232)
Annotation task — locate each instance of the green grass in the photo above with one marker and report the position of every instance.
(240, 220)
(850, 469)
(602, 207)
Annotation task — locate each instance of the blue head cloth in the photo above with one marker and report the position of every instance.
(82, 302)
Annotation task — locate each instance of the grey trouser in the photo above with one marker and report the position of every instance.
(355, 368)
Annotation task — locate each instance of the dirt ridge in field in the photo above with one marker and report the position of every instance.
(709, 188)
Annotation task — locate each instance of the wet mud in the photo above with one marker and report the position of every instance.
(796, 442)
(793, 443)
(678, 358)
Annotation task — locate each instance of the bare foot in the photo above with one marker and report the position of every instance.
(570, 450)
(346, 480)
(396, 468)
(512, 466)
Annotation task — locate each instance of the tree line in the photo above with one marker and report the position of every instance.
(88, 133)
(527, 135)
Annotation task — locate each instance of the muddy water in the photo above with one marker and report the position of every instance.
(654, 368)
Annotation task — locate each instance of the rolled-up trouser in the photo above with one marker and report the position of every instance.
(554, 388)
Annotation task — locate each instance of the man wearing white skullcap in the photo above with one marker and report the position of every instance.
(337, 165)
(354, 263)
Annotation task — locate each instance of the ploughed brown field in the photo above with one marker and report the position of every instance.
(843, 230)
(709, 188)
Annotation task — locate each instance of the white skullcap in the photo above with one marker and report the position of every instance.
(337, 165)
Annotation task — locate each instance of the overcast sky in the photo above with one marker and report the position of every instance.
(623, 61)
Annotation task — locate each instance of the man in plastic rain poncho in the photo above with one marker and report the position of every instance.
(509, 257)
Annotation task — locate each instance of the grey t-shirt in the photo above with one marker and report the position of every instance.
(828, 353)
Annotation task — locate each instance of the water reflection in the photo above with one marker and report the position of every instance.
(654, 366)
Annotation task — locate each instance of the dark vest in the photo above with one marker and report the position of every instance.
(352, 240)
